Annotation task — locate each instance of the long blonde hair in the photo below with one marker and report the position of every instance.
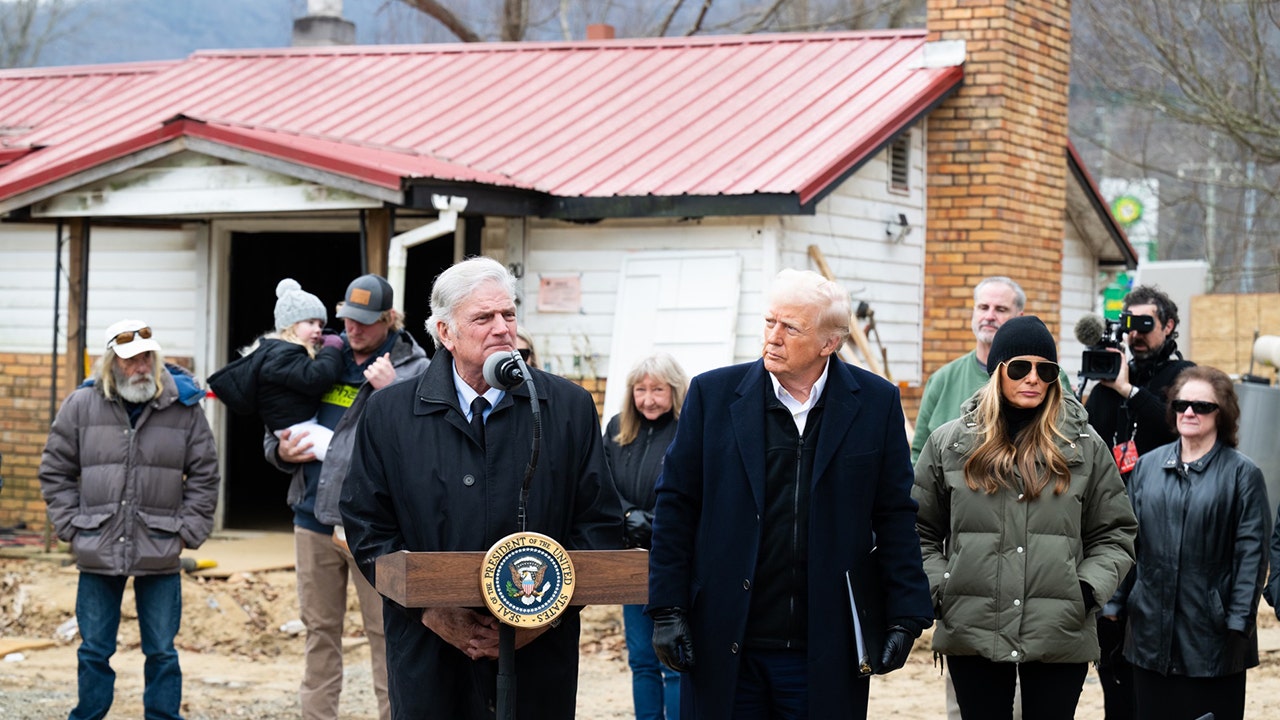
(1034, 452)
(287, 334)
(663, 368)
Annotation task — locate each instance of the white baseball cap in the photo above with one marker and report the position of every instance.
(130, 337)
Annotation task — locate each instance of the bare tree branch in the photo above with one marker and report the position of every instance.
(1184, 92)
(446, 18)
(28, 26)
(515, 19)
(566, 32)
(766, 16)
(666, 22)
(702, 15)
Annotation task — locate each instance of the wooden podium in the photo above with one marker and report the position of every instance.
(452, 579)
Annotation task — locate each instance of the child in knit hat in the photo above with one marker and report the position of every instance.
(284, 373)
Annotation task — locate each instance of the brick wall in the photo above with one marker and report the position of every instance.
(25, 416)
(25, 380)
(596, 387)
(997, 167)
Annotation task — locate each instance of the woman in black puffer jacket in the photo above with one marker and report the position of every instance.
(635, 442)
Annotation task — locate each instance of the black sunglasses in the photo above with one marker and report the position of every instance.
(126, 337)
(1199, 407)
(1018, 369)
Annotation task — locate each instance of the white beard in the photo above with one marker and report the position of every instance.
(135, 389)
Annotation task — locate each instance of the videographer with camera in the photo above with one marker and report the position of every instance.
(1128, 410)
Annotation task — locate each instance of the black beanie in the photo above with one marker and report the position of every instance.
(1023, 335)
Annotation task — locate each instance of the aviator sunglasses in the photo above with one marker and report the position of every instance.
(127, 336)
(1018, 369)
(1199, 407)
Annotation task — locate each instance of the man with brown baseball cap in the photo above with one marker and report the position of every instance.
(368, 296)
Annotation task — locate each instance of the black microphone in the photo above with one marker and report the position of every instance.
(502, 370)
(1089, 331)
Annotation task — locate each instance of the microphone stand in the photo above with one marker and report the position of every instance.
(536, 443)
(506, 698)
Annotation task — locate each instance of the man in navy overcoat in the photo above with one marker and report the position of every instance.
(784, 474)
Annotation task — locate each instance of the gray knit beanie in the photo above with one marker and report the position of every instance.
(1023, 335)
(295, 305)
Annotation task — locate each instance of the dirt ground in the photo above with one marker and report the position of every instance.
(239, 663)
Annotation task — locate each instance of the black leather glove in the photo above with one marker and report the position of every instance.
(672, 642)
(897, 646)
(637, 528)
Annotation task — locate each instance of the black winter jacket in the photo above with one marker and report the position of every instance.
(278, 380)
(637, 465)
(1202, 560)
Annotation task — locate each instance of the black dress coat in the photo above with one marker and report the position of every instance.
(420, 481)
(707, 528)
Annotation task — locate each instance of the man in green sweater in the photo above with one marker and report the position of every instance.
(995, 300)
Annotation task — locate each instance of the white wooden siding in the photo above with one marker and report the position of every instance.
(1080, 291)
(147, 274)
(849, 227)
(577, 344)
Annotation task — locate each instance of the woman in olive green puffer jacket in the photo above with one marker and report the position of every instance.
(1025, 529)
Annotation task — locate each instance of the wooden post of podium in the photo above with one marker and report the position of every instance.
(452, 579)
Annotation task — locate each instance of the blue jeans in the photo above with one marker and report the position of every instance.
(653, 684)
(159, 604)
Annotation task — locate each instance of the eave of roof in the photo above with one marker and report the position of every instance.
(1112, 227)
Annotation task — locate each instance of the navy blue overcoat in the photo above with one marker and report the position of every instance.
(707, 528)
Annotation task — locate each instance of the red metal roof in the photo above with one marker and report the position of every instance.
(710, 116)
(34, 98)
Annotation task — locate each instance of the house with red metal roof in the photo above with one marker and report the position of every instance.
(644, 191)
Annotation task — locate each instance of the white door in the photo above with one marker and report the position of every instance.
(683, 303)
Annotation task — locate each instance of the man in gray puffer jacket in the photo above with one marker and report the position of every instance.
(130, 476)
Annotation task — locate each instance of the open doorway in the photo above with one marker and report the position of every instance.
(323, 263)
(423, 263)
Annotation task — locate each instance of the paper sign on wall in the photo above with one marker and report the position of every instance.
(560, 294)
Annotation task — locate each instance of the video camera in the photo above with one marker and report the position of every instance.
(1098, 362)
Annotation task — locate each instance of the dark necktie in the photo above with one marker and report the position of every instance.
(478, 406)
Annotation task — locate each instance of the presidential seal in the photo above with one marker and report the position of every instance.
(526, 579)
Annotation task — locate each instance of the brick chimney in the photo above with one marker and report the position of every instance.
(600, 32)
(323, 25)
(997, 164)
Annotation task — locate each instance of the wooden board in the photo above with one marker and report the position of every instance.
(236, 552)
(1223, 327)
(13, 645)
